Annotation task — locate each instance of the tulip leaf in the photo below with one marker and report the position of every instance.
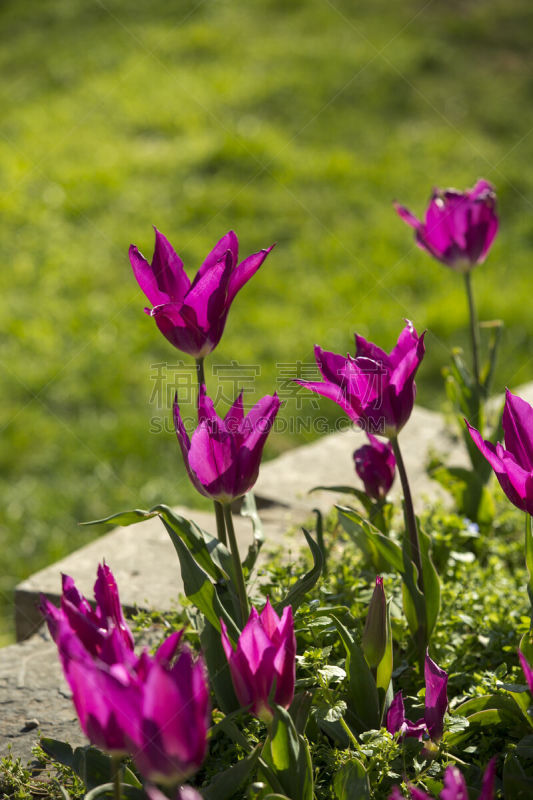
(59, 751)
(206, 550)
(249, 509)
(199, 589)
(218, 669)
(385, 667)
(127, 792)
(380, 549)
(305, 583)
(226, 784)
(351, 782)
(287, 754)
(363, 700)
(124, 518)
(516, 783)
(421, 610)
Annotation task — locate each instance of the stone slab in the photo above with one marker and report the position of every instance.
(328, 461)
(34, 698)
(144, 561)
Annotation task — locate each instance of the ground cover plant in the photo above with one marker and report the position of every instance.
(349, 677)
(303, 136)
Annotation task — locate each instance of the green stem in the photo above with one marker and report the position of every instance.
(237, 566)
(221, 528)
(115, 772)
(410, 518)
(474, 328)
(349, 733)
(200, 371)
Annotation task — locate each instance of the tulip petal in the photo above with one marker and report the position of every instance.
(244, 271)
(487, 788)
(517, 424)
(228, 244)
(436, 698)
(454, 785)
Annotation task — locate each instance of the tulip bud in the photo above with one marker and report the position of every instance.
(374, 640)
(375, 465)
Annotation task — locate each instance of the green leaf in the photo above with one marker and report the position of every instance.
(61, 752)
(351, 782)
(363, 699)
(421, 610)
(218, 669)
(516, 784)
(226, 784)
(107, 790)
(206, 550)
(469, 492)
(249, 509)
(287, 753)
(199, 589)
(124, 518)
(385, 667)
(382, 551)
(92, 766)
(297, 592)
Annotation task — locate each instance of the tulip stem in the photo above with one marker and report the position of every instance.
(349, 733)
(474, 328)
(221, 527)
(237, 566)
(410, 518)
(200, 371)
(115, 772)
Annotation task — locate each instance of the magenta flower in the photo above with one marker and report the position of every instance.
(436, 703)
(528, 671)
(265, 660)
(513, 465)
(455, 787)
(154, 708)
(375, 465)
(460, 226)
(222, 457)
(192, 316)
(376, 389)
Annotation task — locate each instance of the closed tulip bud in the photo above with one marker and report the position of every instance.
(375, 465)
(459, 227)
(375, 634)
(192, 316)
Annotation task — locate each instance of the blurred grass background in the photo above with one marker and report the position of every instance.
(296, 121)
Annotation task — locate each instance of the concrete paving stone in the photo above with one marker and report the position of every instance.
(34, 698)
(143, 558)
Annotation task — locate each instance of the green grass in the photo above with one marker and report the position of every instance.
(296, 121)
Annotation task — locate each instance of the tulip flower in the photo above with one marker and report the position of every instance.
(192, 316)
(528, 671)
(264, 662)
(459, 227)
(375, 465)
(436, 703)
(222, 457)
(512, 464)
(156, 708)
(376, 389)
(455, 787)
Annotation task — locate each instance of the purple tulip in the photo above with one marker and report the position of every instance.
(265, 660)
(455, 787)
(528, 671)
(513, 464)
(436, 703)
(192, 316)
(376, 389)
(223, 456)
(375, 465)
(460, 226)
(156, 708)
(174, 714)
(103, 632)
